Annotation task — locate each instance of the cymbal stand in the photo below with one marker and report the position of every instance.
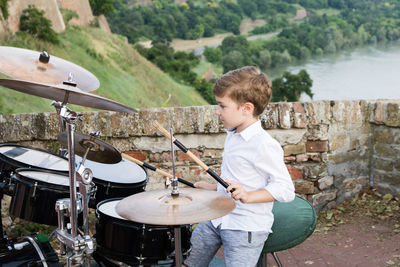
(57, 105)
(175, 193)
(78, 247)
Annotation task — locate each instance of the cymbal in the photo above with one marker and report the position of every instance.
(61, 91)
(25, 64)
(99, 151)
(159, 207)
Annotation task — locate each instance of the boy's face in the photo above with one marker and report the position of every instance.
(231, 114)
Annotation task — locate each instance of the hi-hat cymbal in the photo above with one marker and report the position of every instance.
(99, 151)
(62, 92)
(25, 64)
(159, 207)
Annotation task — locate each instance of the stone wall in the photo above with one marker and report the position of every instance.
(332, 149)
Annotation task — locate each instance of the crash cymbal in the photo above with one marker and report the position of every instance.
(159, 207)
(61, 91)
(99, 151)
(31, 65)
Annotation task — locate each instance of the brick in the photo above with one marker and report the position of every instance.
(325, 182)
(182, 156)
(160, 157)
(139, 155)
(294, 149)
(304, 187)
(289, 158)
(315, 157)
(317, 146)
(294, 172)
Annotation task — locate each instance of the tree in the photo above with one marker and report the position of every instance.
(232, 60)
(213, 55)
(101, 6)
(290, 86)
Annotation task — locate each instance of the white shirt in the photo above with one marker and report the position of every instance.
(254, 159)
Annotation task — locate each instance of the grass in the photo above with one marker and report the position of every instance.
(124, 75)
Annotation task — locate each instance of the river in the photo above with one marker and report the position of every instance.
(371, 72)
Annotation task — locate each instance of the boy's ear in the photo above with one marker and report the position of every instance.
(248, 108)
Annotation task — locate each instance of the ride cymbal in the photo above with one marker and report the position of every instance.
(99, 151)
(31, 65)
(159, 207)
(65, 93)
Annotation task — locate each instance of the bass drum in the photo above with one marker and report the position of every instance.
(122, 179)
(14, 156)
(31, 250)
(36, 193)
(135, 243)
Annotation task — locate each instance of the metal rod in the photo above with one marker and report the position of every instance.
(174, 181)
(178, 248)
(72, 179)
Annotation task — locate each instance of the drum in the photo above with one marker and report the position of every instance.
(17, 156)
(36, 193)
(135, 243)
(31, 250)
(122, 179)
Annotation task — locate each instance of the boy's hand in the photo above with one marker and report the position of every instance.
(240, 193)
(205, 185)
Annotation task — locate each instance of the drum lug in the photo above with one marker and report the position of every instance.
(108, 188)
(34, 191)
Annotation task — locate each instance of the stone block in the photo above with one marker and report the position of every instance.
(301, 158)
(385, 150)
(323, 198)
(318, 132)
(383, 164)
(289, 158)
(325, 182)
(304, 187)
(295, 172)
(284, 115)
(338, 142)
(378, 113)
(317, 146)
(270, 118)
(318, 112)
(288, 136)
(316, 157)
(300, 117)
(294, 149)
(314, 171)
(392, 115)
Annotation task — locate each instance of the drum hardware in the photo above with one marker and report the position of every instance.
(34, 66)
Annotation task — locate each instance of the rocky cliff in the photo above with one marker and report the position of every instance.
(52, 12)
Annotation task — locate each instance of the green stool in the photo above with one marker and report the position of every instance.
(294, 222)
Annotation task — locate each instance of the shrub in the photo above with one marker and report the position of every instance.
(4, 8)
(33, 22)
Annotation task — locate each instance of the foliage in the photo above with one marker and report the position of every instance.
(68, 15)
(101, 6)
(33, 22)
(4, 8)
(289, 87)
(213, 55)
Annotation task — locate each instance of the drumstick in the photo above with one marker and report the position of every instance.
(151, 167)
(192, 156)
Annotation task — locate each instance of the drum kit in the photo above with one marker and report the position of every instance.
(134, 227)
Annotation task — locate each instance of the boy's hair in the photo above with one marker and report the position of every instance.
(247, 84)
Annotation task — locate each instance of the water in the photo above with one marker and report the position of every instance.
(371, 72)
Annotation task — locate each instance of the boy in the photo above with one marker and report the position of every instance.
(252, 165)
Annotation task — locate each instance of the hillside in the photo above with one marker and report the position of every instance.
(124, 75)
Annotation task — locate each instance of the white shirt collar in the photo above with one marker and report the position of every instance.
(250, 131)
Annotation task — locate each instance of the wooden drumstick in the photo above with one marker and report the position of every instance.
(151, 167)
(191, 155)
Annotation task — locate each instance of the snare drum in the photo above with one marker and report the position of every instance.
(17, 156)
(135, 243)
(36, 193)
(116, 180)
(30, 250)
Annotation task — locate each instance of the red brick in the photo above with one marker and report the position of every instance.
(183, 156)
(317, 146)
(294, 172)
(139, 155)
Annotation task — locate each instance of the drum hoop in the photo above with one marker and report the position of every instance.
(14, 162)
(40, 184)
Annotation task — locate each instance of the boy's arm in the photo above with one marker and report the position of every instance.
(205, 185)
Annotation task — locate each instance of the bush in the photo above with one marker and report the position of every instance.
(4, 8)
(68, 15)
(33, 22)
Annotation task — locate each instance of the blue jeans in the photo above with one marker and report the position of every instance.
(241, 248)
